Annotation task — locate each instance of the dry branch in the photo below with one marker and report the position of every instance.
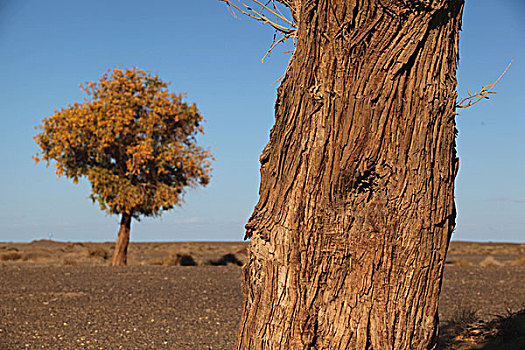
(484, 93)
(288, 31)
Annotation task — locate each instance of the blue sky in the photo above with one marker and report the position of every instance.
(48, 48)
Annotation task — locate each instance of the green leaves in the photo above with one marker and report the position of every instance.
(132, 139)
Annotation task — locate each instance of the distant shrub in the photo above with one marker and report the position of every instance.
(97, 252)
(73, 247)
(36, 256)
(10, 256)
(70, 261)
(518, 261)
(458, 262)
(490, 261)
(227, 259)
(179, 260)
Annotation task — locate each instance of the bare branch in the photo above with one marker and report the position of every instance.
(484, 93)
(260, 17)
(274, 44)
(250, 12)
(278, 15)
(289, 31)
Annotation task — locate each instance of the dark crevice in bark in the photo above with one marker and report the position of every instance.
(368, 345)
(365, 181)
(313, 343)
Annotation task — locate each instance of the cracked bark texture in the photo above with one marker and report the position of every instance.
(356, 207)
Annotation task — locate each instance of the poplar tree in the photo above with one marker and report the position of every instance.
(134, 141)
(356, 204)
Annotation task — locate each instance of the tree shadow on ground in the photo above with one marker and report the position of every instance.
(503, 332)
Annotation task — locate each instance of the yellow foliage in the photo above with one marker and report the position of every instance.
(132, 139)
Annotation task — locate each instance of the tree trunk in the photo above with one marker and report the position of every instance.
(356, 207)
(120, 255)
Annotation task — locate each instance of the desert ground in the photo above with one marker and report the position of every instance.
(187, 295)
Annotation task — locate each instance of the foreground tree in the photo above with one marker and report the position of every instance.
(356, 208)
(134, 141)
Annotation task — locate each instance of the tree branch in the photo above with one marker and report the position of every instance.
(250, 12)
(288, 31)
(484, 93)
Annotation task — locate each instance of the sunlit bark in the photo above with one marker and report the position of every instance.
(356, 207)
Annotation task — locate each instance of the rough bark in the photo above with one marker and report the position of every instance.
(356, 207)
(120, 255)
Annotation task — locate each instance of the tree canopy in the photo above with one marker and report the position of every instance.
(132, 139)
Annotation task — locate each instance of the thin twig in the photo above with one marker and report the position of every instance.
(260, 17)
(286, 71)
(231, 11)
(287, 32)
(274, 44)
(264, 19)
(278, 15)
(281, 77)
(485, 91)
(277, 9)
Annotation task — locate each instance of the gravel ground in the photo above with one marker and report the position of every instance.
(198, 307)
(147, 307)
(484, 291)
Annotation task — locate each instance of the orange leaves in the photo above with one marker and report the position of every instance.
(139, 157)
(132, 139)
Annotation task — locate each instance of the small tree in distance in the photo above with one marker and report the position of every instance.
(134, 141)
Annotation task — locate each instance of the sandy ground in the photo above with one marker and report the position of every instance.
(58, 295)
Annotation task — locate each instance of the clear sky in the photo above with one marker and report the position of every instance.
(47, 48)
